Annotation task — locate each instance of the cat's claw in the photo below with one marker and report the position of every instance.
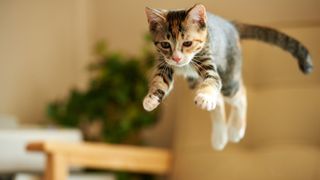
(150, 102)
(206, 101)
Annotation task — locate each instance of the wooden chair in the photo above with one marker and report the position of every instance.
(61, 156)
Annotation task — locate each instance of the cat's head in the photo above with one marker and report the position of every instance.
(178, 35)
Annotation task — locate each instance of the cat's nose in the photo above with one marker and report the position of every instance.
(176, 58)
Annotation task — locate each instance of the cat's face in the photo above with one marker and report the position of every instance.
(178, 35)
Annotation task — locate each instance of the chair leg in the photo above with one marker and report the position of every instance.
(56, 167)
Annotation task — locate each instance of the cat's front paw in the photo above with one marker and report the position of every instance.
(150, 102)
(206, 101)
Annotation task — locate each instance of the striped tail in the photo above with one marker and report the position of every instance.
(272, 36)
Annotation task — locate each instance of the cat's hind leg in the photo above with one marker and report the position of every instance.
(219, 137)
(238, 112)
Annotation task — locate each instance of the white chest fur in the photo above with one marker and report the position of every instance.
(185, 71)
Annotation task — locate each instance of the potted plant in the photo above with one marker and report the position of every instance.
(110, 109)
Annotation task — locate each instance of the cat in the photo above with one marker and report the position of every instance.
(206, 50)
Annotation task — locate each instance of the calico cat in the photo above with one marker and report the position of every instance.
(206, 50)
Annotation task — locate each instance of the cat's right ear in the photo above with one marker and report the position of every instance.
(155, 16)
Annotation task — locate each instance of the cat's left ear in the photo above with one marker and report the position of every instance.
(197, 14)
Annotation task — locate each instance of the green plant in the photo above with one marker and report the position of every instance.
(110, 109)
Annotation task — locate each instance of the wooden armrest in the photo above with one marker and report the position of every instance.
(102, 156)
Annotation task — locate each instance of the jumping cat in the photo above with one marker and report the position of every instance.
(206, 50)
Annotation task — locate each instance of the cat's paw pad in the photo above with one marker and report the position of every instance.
(206, 101)
(235, 134)
(150, 102)
(219, 137)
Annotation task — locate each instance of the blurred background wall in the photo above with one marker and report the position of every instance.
(46, 45)
(43, 51)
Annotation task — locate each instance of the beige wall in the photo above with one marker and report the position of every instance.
(43, 49)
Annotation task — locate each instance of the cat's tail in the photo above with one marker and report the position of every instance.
(272, 36)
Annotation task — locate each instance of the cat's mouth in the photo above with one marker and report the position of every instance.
(178, 64)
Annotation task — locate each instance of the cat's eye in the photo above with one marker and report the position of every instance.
(165, 45)
(187, 43)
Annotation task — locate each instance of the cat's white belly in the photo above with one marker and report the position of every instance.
(185, 71)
